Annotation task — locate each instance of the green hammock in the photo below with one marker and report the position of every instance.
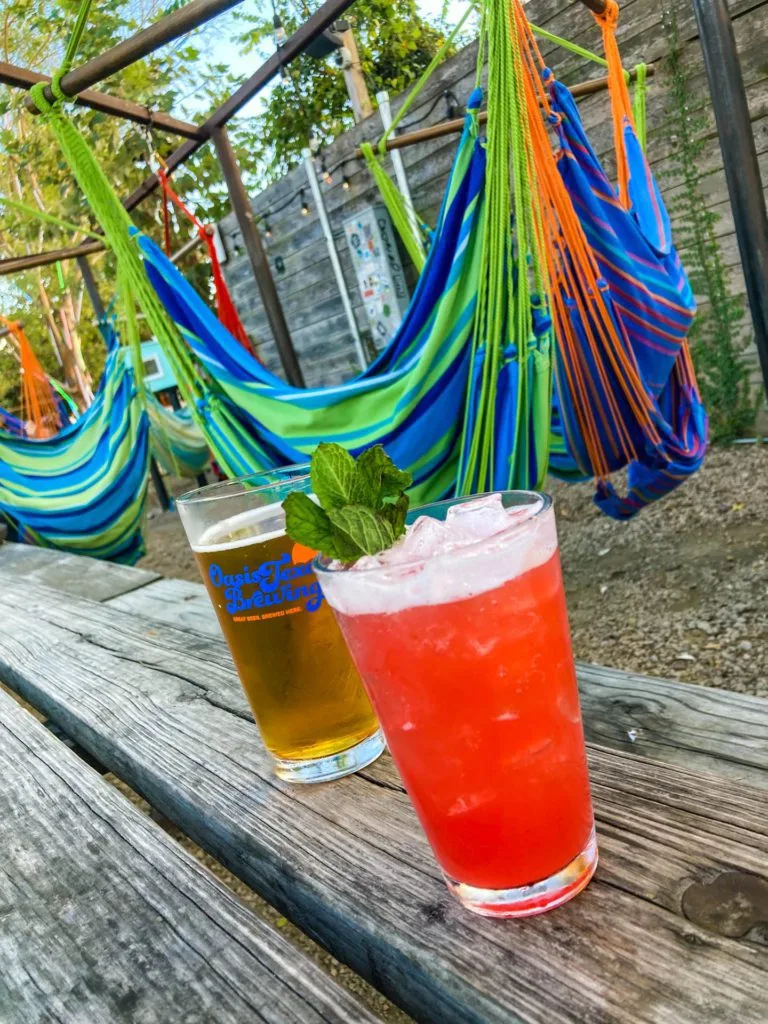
(176, 440)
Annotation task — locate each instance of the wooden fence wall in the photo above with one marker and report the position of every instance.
(297, 249)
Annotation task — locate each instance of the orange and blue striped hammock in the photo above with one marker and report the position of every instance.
(626, 391)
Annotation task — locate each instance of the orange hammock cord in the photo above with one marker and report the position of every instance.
(225, 307)
(571, 264)
(39, 409)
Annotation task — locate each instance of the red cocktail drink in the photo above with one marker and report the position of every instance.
(466, 655)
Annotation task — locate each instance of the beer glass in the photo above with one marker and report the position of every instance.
(307, 698)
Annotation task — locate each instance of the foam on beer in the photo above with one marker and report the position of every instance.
(255, 524)
(480, 546)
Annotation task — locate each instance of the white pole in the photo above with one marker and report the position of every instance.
(382, 98)
(322, 213)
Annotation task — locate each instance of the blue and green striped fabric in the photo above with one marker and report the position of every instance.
(83, 490)
(411, 399)
(177, 442)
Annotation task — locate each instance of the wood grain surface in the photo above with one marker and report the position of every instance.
(349, 864)
(104, 919)
(72, 574)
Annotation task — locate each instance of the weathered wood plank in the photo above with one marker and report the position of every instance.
(106, 919)
(691, 726)
(349, 864)
(176, 602)
(72, 574)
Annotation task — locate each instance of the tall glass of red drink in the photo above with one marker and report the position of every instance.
(460, 634)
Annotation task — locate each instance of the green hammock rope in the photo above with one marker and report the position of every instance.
(397, 207)
(400, 210)
(566, 44)
(639, 103)
(48, 217)
(134, 286)
(422, 80)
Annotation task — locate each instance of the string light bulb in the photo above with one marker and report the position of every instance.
(326, 174)
(304, 205)
(345, 183)
(267, 230)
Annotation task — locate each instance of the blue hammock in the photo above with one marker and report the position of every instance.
(411, 399)
(653, 307)
(84, 489)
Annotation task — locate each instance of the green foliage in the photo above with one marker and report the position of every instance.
(352, 516)
(718, 341)
(33, 171)
(395, 45)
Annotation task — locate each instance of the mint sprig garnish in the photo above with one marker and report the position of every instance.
(362, 504)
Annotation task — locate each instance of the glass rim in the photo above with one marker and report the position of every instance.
(223, 488)
(322, 564)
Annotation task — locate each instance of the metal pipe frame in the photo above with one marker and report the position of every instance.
(22, 78)
(742, 170)
(322, 19)
(456, 125)
(435, 131)
(178, 23)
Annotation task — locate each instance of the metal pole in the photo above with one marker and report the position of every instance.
(186, 248)
(159, 484)
(22, 78)
(243, 211)
(341, 284)
(742, 171)
(185, 19)
(313, 27)
(382, 98)
(90, 286)
(435, 131)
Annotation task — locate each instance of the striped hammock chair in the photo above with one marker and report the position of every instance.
(411, 399)
(83, 490)
(622, 294)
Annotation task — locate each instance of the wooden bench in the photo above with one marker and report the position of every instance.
(106, 919)
(671, 931)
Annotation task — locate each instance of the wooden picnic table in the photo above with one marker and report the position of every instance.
(674, 928)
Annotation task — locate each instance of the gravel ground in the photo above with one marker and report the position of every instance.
(677, 592)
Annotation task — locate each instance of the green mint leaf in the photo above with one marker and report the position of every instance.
(308, 524)
(363, 527)
(395, 512)
(332, 472)
(353, 516)
(377, 477)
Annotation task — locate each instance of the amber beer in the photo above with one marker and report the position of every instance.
(292, 661)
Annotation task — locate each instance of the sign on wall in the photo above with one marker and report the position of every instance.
(378, 269)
